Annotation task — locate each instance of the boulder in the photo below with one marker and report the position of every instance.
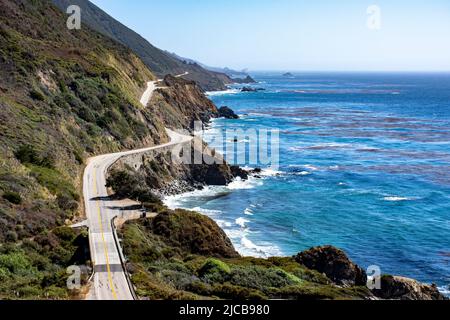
(400, 288)
(250, 89)
(335, 264)
(227, 113)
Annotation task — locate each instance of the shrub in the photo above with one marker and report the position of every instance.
(67, 202)
(130, 185)
(11, 236)
(12, 197)
(214, 271)
(27, 154)
(37, 95)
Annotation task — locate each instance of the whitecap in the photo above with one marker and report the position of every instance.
(222, 92)
(268, 172)
(303, 173)
(248, 212)
(239, 184)
(208, 212)
(310, 167)
(242, 222)
(248, 248)
(397, 199)
(445, 290)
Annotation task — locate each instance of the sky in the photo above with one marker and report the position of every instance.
(296, 35)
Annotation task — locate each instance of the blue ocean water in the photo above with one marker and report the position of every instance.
(364, 166)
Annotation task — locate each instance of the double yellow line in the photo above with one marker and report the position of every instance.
(105, 248)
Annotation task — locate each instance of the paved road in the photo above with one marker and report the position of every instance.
(110, 282)
(152, 86)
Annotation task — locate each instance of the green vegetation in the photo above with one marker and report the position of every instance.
(36, 269)
(163, 266)
(131, 185)
(12, 197)
(64, 96)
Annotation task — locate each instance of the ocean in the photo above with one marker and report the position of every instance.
(364, 166)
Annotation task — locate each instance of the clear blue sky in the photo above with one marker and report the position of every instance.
(295, 34)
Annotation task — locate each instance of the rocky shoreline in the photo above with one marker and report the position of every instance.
(154, 175)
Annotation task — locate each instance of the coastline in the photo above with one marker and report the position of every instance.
(234, 230)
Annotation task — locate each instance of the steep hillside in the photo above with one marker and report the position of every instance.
(64, 95)
(159, 61)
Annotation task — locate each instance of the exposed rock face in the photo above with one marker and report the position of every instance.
(335, 264)
(192, 233)
(158, 172)
(400, 288)
(180, 102)
(227, 113)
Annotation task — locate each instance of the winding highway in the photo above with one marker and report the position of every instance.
(109, 280)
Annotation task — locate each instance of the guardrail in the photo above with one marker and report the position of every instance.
(122, 259)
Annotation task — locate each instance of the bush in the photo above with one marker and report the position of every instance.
(27, 154)
(66, 202)
(215, 271)
(129, 185)
(12, 197)
(214, 266)
(37, 95)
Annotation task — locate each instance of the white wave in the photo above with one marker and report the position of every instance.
(445, 290)
(397, 199)
(223, 224)
(239, 184)
(248, 248)
(310, 167)
(208, 212)
(248, 212)
(268, 172)
(242, 222)
(177, 201)
(223, 92)
(303, 173)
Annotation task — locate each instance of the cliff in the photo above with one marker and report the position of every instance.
(64, 96)
(184, 255)
(180, 102)
(171, 256)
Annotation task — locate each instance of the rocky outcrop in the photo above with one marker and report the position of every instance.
(227, 113)
(192, 233)
(250, 89)
(247, 79)
(335, 264)
(180, 102)
(157, 171)
(400, 288)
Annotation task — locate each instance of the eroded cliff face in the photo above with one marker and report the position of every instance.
(179, 103)
(163, 173)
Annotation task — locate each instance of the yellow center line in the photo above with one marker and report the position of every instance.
(108, 268)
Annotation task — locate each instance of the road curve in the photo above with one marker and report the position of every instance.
(110, 282)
